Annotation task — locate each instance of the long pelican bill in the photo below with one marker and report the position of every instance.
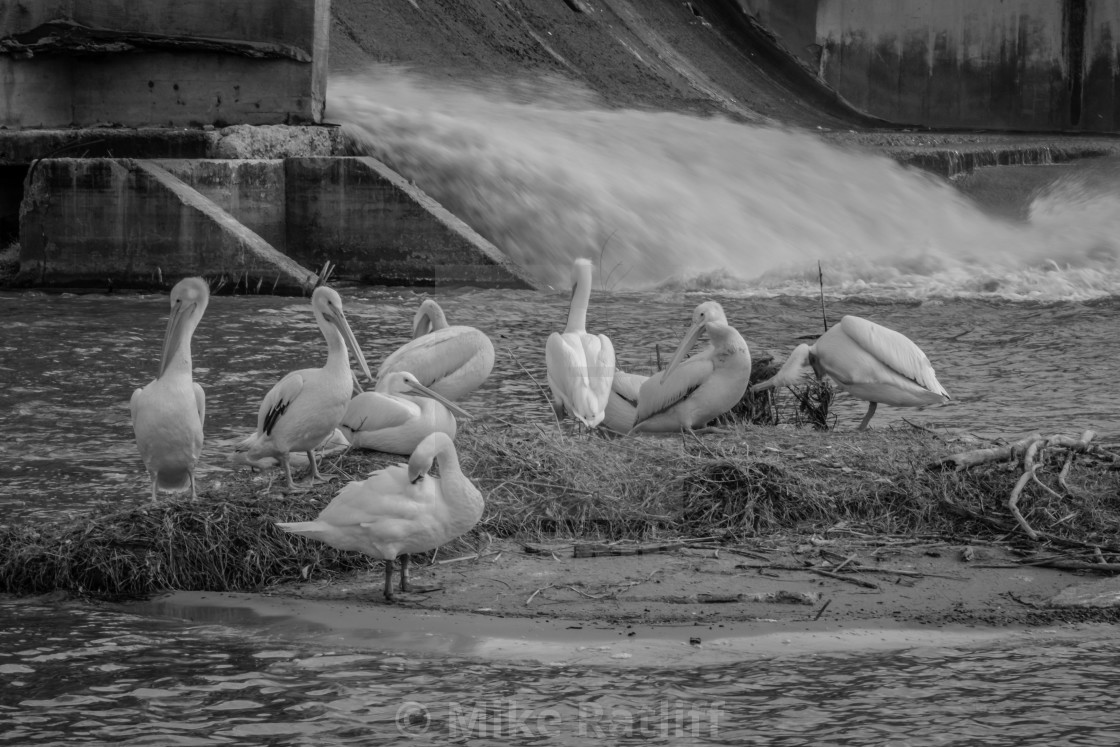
(418, 388)
(175, 325)
(338, 319)
(689, 340)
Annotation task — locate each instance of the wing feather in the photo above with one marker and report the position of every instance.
(656, 396)
(374, 411)
(278, 400)
(894, 350)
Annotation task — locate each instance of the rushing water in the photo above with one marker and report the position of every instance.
(1015, 304)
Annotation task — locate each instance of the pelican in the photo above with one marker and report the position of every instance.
(393, 421)
(580, 365)
(168, 413)
(622, 404)
(305, 406)
(689, 393)
(451, 361)
(400, 509)
(868, 361)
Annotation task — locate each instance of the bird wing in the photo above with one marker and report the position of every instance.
(374, 411)
(278, 400)
(200, 403)
(437, 354)
(567, 367)
(133, 404)
(382, 495)
(657, 396)
(894, 350)
(598, 351)
(626, 385)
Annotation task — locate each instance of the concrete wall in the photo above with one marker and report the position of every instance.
(98, 221)
(379, 228)
(162, 62)
(993, 64)
(1101, 88)
(146, 223)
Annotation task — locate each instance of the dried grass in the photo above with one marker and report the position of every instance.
(543, 484)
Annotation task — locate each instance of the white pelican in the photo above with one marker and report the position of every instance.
(868, 361)
(622, 404)
(580, 365)
(394, 421)
(305, 406)
(400, 509)
(168, 414)
(451, 361)
(689, 393)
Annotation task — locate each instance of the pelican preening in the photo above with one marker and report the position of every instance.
(397, 417)
(689, 393)
(622, 404)
(870, 362)
(168, 414)
(580, 365)
(305, 406)
(451, 361)
(400, 509)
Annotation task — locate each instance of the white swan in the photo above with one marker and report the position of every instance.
(400, 510)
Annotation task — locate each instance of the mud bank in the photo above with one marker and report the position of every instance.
(678, 608)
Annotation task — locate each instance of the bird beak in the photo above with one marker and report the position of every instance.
(424, 391)
(339, 320)
(682, 350)
(176, 324)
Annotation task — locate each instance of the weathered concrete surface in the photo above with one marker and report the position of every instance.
(251, 190)
(85, 221)
(379, 228)
(1014, 64)
(162, 62)
(236, 141)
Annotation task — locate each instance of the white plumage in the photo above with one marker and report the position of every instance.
(168, 414)
(870, 362)
(304, 408)
(689, 393)
(580, 366)
(397, 417)
(452, 361)
(400, 509)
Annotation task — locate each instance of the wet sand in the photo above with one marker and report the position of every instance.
(659, 609)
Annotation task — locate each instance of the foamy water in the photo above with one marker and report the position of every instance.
(548, 175)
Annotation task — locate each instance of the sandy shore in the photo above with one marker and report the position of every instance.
(661, 609)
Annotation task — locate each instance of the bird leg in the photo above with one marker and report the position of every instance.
(406, 584)
(155, 488)
(389, 580)
(406, 581)
(867, 418)
(194, 495)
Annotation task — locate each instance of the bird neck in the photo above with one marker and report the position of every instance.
(337, 355)
(577, 309)
(466, 502)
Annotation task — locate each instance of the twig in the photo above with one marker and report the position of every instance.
(822, 609)
(538, 591)
(820, 279)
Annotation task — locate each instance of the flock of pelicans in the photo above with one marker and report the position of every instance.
(411, 410)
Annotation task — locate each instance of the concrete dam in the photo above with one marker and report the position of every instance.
(139, 144)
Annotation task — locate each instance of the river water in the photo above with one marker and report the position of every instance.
(1014, 295)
